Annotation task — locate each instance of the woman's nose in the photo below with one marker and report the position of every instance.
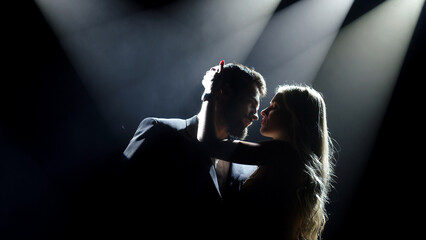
(263, 112)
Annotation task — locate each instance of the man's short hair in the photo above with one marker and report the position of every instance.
(240, 79)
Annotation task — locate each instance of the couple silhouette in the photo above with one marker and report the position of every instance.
(197, 179)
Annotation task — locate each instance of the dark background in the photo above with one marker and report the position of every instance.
(57, 152)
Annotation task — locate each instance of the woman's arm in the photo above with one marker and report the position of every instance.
(243, 152)
(239, 151)
(236, 151)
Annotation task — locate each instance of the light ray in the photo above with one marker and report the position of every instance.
(357, 80)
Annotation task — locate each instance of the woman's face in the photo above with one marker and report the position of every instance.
(275, 119)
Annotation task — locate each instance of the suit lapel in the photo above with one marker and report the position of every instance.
(213, 176)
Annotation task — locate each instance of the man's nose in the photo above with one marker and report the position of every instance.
(255, 116)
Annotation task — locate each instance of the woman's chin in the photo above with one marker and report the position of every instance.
(264, 133)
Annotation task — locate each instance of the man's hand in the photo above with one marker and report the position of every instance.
(210, 76)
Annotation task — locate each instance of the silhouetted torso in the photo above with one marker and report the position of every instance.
(267, 202)
(170, 187)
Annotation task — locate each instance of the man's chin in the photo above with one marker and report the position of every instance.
(241, 134)
(237, 129)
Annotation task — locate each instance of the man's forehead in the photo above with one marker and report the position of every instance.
(254, 95)
(253, 92)
(257, 96)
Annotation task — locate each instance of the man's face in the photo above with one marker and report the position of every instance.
(240, 111)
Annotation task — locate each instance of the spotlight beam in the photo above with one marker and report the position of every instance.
(358, 78)
(127, 56)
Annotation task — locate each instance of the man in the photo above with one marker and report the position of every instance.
(174, 189)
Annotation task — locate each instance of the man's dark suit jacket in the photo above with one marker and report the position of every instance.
(172, 188)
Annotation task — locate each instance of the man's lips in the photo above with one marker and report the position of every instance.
(247, 121)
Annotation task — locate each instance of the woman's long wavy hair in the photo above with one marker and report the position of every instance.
(308, 133)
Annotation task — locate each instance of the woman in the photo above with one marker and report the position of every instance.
(289, 190)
